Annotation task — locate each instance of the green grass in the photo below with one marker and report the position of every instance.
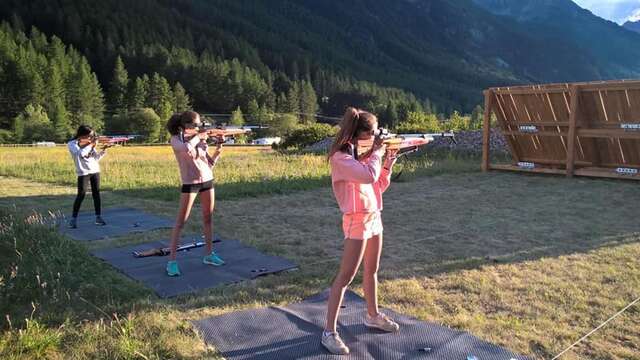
(531, 263)
(151, 172)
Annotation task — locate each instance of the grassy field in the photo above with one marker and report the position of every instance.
(151, 172)
(531, 263)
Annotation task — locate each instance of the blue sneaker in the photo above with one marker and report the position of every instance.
(213, 259)
(172, 268)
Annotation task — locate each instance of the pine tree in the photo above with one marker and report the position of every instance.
(161, 100)
(253, 111)
(236, 117)
(182, 100)
(55, 104)
(308, 102)
(62, 130)
(293, 99)
(137, 94)
(160, 97)
(117, 96)
(390, 116)
(85, 100)
(282, 104)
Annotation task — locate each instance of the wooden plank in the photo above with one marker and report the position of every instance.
(547, 133)
(612, 87)
(608, 133)
(486, 130)
(587, 86)
(516, 91)
(573, 115)
(542, 123)
(606, 173)
(555, 162)
(591, 172)
(540, 170)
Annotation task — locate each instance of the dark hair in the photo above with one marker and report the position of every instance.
(83, 130)
(353, 123)
(178, 121)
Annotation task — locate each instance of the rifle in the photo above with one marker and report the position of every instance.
(219, 133)
(404, 143)
(166, 250)
(115, 139)
(106, 141)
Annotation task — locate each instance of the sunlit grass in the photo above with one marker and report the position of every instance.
(152, 171)
(531, 263)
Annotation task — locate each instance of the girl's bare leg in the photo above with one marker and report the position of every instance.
(351, 258)
(371, 263)
(207, 201)
(186, 202)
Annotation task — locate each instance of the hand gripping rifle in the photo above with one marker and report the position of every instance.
(166, 250)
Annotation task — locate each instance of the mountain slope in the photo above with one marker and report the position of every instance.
(632, 25)
(446, 50)
(603, 47)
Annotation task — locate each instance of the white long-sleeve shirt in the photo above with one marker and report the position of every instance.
(85, 158)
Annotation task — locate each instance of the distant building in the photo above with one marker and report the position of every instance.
(267, 141)
(46, 143)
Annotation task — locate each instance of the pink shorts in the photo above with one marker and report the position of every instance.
(361, 226)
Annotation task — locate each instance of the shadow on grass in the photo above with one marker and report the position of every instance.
(232, 191)
(434, 225)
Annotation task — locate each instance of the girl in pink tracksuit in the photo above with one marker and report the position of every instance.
(358, 183)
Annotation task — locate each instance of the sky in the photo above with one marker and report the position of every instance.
(614, 10)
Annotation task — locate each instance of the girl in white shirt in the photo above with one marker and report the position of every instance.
(83, 152)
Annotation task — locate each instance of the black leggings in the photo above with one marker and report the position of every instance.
(83, 183)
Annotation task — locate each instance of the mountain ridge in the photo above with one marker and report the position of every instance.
(447, 51)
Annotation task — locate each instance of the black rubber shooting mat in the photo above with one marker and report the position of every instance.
(120, 221)
(241, 263)
(293, 332)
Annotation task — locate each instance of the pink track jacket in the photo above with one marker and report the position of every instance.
(358, 186)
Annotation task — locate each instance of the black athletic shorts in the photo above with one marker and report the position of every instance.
(197, 188)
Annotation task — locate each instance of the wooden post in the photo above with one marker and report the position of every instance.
(573, 116)
(486, 130)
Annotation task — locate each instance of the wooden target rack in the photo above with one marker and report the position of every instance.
(582, 129)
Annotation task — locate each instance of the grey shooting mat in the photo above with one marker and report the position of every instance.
(120, 221)
(241, 263)
(294, 331)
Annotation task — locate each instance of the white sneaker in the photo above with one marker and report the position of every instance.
(381, 322)
(334, 344)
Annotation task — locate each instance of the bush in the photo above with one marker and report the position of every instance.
(145, 122)
(33, 124)
(308, 135)
(419, 122)
(7, 137)
(458, 122)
